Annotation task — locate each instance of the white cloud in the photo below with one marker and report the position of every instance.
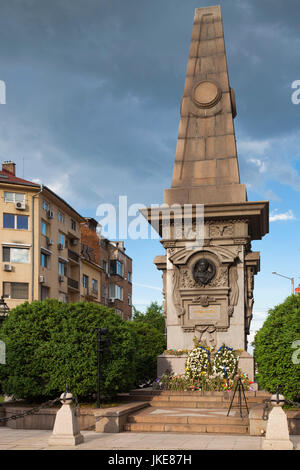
(275, 216)
(257, 147)
(259, 163)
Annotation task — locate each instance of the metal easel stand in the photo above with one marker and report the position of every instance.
(240, 389)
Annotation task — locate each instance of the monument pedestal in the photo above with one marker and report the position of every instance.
(176, 364)
(207, 224)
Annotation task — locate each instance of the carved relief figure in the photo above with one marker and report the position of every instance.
(207, 335)
(175, 292)
(204, 270)
(234, 288)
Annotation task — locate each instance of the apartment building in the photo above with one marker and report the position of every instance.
(48, 250)
(115, 269)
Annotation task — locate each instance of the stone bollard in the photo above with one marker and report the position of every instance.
(66, 427)
(277, 433)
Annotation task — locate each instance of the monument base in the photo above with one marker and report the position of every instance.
(176, 364)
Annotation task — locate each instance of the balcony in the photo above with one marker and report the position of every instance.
(73, 256)
(73, 284)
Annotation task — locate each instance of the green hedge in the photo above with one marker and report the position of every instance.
(150, 344)
(275, 357)
(50, 343)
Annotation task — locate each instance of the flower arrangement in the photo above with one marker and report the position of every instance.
(198, 362)
(176, 352)
(225, 362)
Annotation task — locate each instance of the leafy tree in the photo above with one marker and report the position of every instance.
(150, 344)
(50, 344)
(153, 316)
(274, 354)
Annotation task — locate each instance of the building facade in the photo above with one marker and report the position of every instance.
(45, 252)
(109, 263)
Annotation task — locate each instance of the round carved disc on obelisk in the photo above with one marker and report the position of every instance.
(206, 94)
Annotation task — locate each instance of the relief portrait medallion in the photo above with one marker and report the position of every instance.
(204, 270)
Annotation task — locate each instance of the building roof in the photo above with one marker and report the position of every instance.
(8, 177)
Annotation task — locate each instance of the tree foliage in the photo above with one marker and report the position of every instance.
(153, 316)
(275, 354)
(150, 344)
(50, 344)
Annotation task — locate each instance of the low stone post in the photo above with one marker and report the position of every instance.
(66, 427)
(277, 434)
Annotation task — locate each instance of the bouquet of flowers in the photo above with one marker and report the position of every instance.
(198, 362)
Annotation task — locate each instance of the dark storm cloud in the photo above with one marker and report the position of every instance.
(94, 87)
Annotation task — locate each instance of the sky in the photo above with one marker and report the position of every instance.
(93, 90)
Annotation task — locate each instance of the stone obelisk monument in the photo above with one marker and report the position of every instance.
(208, 291)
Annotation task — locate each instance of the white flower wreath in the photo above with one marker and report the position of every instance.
(225, 363)
(197, 363)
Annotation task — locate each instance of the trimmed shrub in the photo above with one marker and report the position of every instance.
(274, 354)
(150, 344)
(50, 344)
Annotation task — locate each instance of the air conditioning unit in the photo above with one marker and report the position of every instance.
(42, 279)
(21, 205)
(61, 278)
(7, 267)
(50, 214)
(112, 299)
(74, 241)
(60, 246)
(49, 241)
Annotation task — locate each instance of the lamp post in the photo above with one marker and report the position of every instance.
(290, 278)
(4, 309)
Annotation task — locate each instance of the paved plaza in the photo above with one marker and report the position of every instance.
(20, 439)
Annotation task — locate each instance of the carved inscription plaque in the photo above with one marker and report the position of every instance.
(197, 312)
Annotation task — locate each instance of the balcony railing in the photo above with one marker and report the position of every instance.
(72, 283)
(73, 256)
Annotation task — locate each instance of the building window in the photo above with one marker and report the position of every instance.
(62, 268)
(129, 300)
(116, 292)
(60, 217)
(44, 228)
(19, 222)
(13, 197)
(104, 292)
(85, 281)
(119, 312)
(22, 222)
(116, 267)
(61, 239)
(45, 260)
(46, 206)
(129, 276)
(104, 266)
(45, 293)
(62, 297)
(15, 290)
(73, 224)
(15, 255)
(95, 286)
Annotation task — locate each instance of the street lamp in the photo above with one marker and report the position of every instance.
(290, 278)
(4, 309)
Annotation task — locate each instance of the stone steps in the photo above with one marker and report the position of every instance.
(146, 422)
(187, 428)
(191, 412)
